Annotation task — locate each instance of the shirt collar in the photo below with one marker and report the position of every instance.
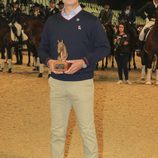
(156, 5)
(72, 13)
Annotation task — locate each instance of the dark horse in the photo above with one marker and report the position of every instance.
(151, 51)
(5, 43)
(131, 30)
(33, 28)
(7, 33)
(110, 34)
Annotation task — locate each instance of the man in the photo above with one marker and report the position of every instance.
(127, 14)
(16, 31)
(86, 43)
(37, 12)
(149, 12)
(52, 9)
(60, 6)
(16, 12)
(106, 15)
(2, 9)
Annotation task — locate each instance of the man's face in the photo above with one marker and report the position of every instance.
(52, 5)
(106, 7)
(128, 7)
(70, 2)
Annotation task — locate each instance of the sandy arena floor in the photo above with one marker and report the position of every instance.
(126, 117)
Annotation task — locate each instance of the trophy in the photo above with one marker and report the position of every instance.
(61, 65)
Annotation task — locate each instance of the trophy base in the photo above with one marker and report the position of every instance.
(61, 66)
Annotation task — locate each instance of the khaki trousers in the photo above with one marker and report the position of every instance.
(78, 95)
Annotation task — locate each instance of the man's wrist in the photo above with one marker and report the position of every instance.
(84, 65)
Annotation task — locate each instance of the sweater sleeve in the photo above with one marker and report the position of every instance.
(44, 47)
(100, 43)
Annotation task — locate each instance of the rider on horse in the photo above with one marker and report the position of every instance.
(127, 14)
(52, 9)
(16, 12)
(2, 9)
(37, 12)
(148, 12)
(105, 18)
(106, 15)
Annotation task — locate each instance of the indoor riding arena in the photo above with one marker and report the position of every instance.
(126, 115)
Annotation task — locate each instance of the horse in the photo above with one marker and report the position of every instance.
(132, 31)
(151, 51)
(33, 28)
(110, 34)
(4, 44)
(11, 36)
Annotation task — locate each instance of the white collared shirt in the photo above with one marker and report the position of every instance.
(156, 5)
(72, 13)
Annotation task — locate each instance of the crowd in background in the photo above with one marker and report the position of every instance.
(12, 11)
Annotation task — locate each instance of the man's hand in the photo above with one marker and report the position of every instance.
(51, 64)
(76, 66)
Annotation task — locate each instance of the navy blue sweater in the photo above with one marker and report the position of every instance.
(83, 36)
